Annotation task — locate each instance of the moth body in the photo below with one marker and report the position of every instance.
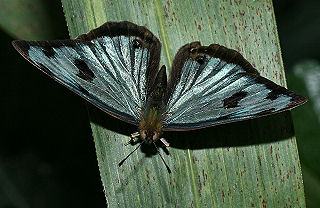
(151, 126)
(153, 113)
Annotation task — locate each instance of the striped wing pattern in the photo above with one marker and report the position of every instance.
(217, 87)
(108, 71)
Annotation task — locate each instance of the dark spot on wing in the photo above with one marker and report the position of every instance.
(275, 93)
(276, 90)
(201, 59)
(233, 101)
(44, 69)
(84, 71)
(136, 44)
(48, 51)
(272, 96)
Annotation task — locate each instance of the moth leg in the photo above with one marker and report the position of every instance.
(164, 141)
(135, 134)
(132, 136)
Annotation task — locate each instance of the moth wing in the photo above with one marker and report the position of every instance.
(211, 85)
(111, 66)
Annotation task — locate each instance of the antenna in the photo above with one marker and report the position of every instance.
(120, 163)
(168, 169)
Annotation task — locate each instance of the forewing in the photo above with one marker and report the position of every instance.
(214, 85)
(111, 66)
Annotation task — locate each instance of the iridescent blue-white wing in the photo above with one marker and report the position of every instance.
(111, 66)
(214, 85)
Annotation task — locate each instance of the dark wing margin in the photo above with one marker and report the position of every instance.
(112, 66)
(212, 85)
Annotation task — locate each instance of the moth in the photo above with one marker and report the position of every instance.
(116, 68)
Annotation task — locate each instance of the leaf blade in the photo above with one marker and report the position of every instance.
(252, 163)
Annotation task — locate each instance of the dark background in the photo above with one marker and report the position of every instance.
(46, 137)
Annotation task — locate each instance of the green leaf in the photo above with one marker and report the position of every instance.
(247, 164)
(305, 79)
(31, 19)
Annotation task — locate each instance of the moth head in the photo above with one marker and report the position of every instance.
(149, 136)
